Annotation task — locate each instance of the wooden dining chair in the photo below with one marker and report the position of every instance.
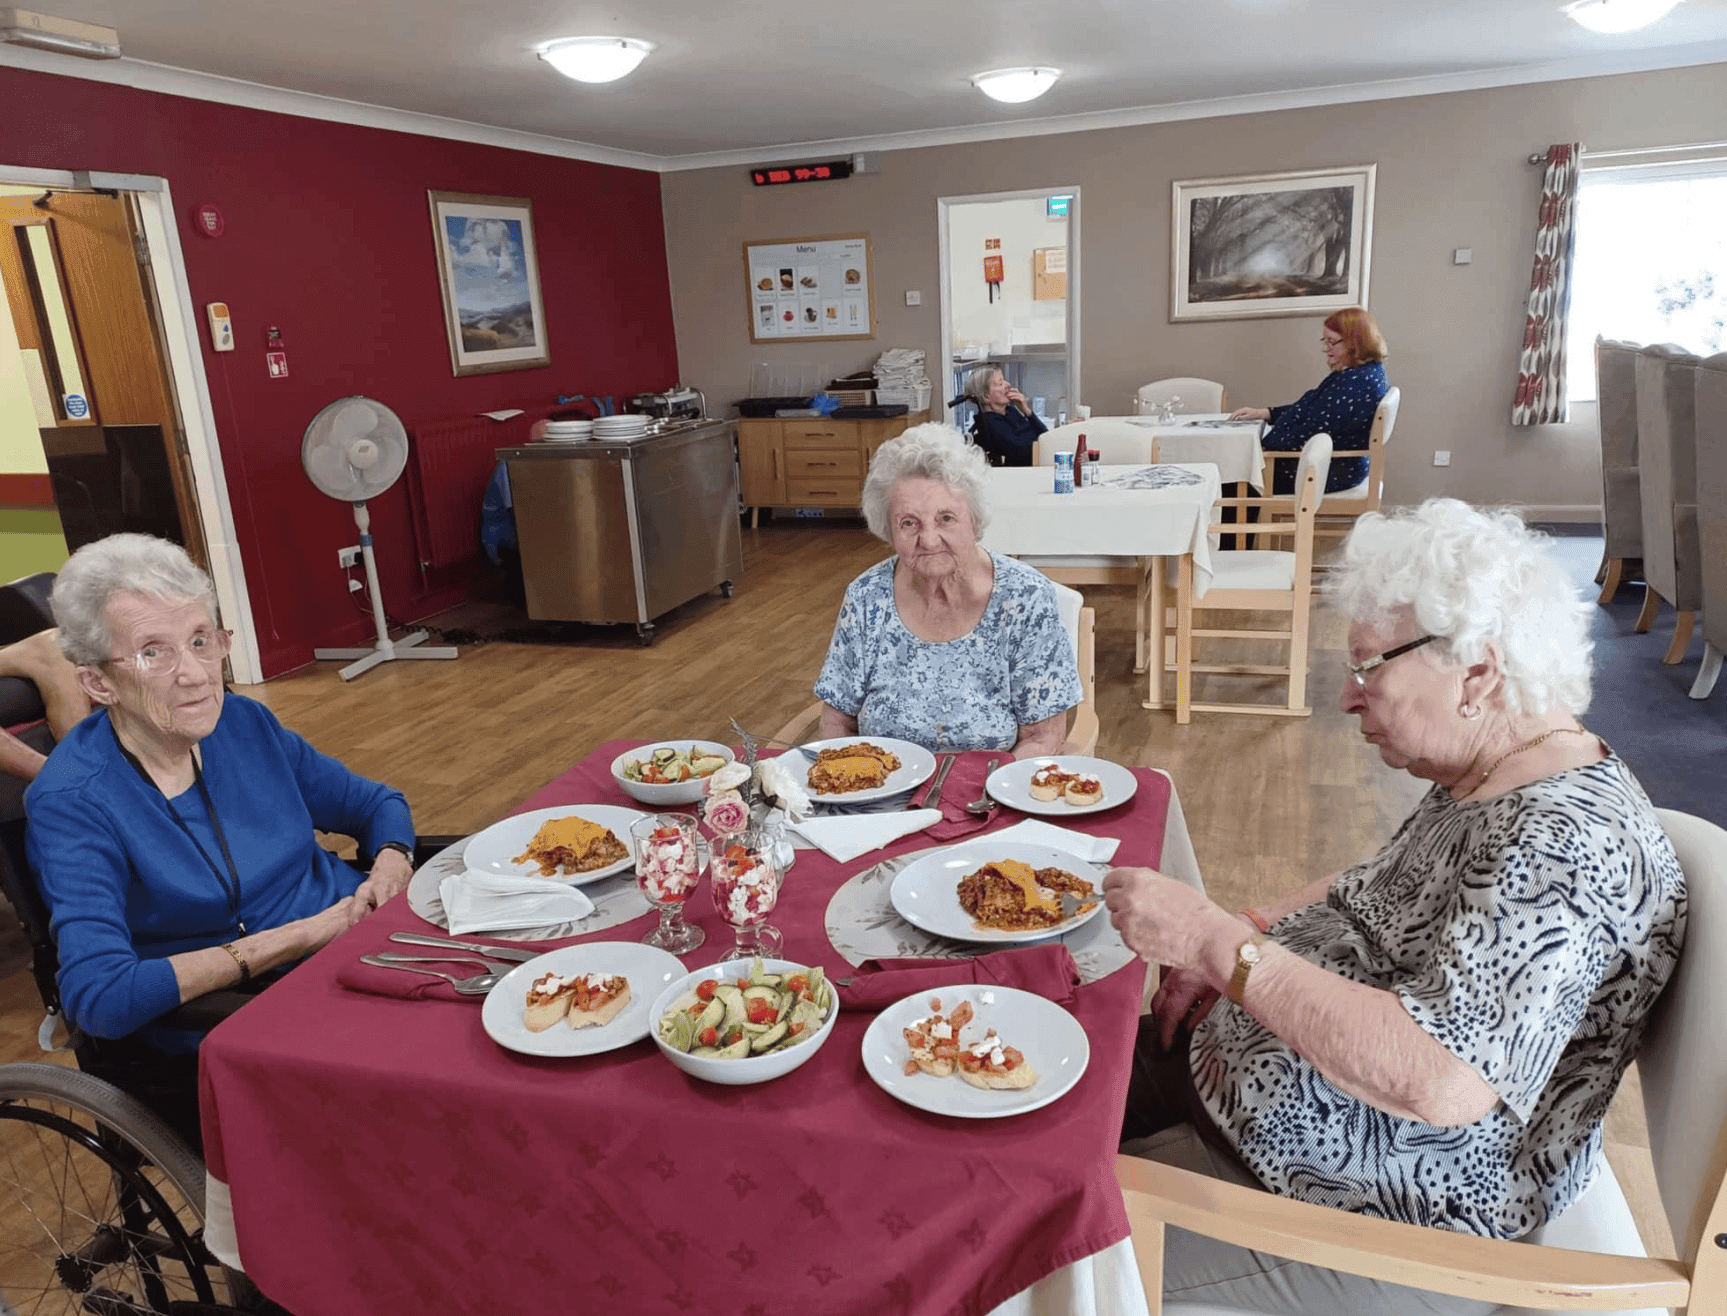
(1080, 623)
(1252, 580)
(1346, 505)
(1589, 1258)
(1119, 446)
(1195, 394)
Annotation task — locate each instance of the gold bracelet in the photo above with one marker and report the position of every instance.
(245, 968)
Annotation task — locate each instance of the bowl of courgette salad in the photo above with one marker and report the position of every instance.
(745, 1021)
(669, 771)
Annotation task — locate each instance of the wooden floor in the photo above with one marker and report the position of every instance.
(1271, 802)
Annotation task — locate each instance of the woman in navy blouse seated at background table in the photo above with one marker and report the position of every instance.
(1006, 425)
(1342, 406)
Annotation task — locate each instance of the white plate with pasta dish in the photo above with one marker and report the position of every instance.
(566, 844)
(996, 893)
(859, 769)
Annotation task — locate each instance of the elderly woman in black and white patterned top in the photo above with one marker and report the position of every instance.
(1434, 1034)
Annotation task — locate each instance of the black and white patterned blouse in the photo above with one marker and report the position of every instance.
(1529, 934)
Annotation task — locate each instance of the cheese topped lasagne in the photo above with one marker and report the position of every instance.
(572, 845)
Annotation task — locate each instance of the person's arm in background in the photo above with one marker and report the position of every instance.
(17, 759)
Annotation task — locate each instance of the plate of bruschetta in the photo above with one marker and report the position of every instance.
(579, 1000)
(1061, 785)
(975, 1051)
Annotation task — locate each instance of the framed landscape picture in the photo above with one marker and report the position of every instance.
(489, 273)
(1271, 244)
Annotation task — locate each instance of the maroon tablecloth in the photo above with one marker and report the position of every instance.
(386, 1155)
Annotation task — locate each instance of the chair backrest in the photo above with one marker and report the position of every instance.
(1616, 410)
(1667, 461)
(1683, 1061)
(1079, 622)
(1195, 394)
(1120, 442)
(1711, 401)
(1310, 473)
(24, 606)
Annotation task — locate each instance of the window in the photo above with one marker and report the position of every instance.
(1651, 263)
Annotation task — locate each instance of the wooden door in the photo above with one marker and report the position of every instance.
(761, 463)
(89, 243)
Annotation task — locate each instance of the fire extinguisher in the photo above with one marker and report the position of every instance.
(992, 274)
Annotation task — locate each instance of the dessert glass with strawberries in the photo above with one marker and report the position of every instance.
(670, 855)
(746, 887)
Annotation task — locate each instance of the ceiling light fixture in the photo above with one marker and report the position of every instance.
(20, 27)
(1015, 86)
(1615, 16)
(596, 59)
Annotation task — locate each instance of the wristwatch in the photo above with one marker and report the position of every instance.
(1246, 956)
(398, 847)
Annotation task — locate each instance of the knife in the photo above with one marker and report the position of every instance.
(472, 947)
(933, 799)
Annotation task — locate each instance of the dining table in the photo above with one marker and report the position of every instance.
(1124, 528)
(1231, 446)
(368, 1152)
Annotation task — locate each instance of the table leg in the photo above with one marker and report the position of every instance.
(1184, 641)
(1152, 631)
(1141, 619)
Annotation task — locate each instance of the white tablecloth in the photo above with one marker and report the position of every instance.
(1233, 449)
(1029, 519)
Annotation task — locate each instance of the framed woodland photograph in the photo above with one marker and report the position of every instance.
(1271, 244)
(489, 274)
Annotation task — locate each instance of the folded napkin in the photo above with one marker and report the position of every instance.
(377, 981)
(485, 902)
(845, 838)
(1098, 849)
(964, 783)
(1047, 970)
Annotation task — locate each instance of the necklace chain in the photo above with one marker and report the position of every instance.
(1518, 749)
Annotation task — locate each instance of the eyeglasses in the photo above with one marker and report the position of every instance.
(1358, 671)
(1330, 342)
(161, 658)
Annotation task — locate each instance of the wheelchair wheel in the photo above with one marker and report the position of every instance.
(101, 1206)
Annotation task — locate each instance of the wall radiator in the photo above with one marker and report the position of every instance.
(449, 465)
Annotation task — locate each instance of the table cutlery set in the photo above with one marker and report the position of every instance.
(495, 960)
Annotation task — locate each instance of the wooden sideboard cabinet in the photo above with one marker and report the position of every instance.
(808, 461)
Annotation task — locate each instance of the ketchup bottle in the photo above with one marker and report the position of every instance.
(1082, 458)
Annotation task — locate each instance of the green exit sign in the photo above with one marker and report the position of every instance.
(1057, 206)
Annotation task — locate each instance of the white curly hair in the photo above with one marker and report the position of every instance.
(1474, 577)
(138, 564)
(928, 452)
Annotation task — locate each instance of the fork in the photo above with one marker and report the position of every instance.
(477, 986)
(490, 966)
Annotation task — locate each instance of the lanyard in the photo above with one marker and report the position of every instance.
(230, 880)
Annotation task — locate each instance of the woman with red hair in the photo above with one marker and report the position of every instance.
(1342, 406)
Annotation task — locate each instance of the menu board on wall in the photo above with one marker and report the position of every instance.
(806, 288)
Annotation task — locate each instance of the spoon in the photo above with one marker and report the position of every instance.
(983, 806)
(477, 986)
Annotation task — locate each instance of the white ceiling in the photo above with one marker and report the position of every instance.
(760, 79)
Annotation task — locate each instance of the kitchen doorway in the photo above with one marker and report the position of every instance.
(1010, 296)
(105, 416)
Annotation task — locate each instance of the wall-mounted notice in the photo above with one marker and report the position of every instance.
(810, 288)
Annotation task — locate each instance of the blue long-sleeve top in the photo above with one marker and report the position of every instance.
(1342, 406)
(127, 887)
(1007, 436)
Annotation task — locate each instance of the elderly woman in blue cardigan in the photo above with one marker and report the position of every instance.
(173, 830)
(1342, 406)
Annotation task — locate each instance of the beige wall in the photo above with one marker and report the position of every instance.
(1452, 173)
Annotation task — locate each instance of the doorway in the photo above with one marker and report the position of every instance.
(1010, 296)
(84, 340)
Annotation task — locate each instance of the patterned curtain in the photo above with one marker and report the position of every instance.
(1541, 363)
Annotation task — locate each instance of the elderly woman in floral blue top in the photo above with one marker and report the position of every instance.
(945, 644)
(1342, 406)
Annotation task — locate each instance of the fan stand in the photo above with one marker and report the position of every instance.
(386, 650)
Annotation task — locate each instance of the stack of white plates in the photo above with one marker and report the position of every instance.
(568, 431)
(620, 427)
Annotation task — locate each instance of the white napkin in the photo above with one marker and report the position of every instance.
(489, 902)
(846, 837)
(1098, 849)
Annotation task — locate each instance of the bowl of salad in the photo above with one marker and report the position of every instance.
(744, 1021)
(669, 771)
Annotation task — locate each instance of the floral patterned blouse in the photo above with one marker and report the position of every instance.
(1528, 934)
(1016, 666)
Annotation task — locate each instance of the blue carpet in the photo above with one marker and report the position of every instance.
(1676, 745)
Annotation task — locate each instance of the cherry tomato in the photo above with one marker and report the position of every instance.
(761, 1012)
(710, 1037)
(797, 983)
(705, 989)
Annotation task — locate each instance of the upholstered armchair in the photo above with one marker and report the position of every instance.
(1712, 515)
(1667, 466)
(1621, 499)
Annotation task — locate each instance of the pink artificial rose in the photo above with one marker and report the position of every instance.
(726, 813)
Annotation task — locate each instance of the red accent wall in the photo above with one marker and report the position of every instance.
(329, 237)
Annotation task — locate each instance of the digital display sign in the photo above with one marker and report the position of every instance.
(774, 175)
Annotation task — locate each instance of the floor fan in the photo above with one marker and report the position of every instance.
(355, 449)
